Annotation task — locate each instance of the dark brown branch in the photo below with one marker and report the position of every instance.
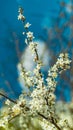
(42, 116)
(8, 98)
(52, 121)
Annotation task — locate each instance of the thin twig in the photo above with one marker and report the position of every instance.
(42, 116)
(13, 117)
(53, 122)
(8, 98)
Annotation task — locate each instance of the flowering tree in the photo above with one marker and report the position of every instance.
(36, 109)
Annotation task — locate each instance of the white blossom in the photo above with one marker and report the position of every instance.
(27, 25)
(30, 35)
(21, 17)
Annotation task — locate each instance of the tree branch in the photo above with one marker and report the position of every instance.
(8, 98)
(52, 120)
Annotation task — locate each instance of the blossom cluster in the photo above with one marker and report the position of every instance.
(38, 103)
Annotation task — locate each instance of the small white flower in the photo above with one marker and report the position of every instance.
(7, 102)
(27, 25)
(30, 35)
(21, 17)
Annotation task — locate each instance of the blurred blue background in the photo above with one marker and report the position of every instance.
(43, 15)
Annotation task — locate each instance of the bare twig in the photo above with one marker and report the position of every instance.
(8, 98)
